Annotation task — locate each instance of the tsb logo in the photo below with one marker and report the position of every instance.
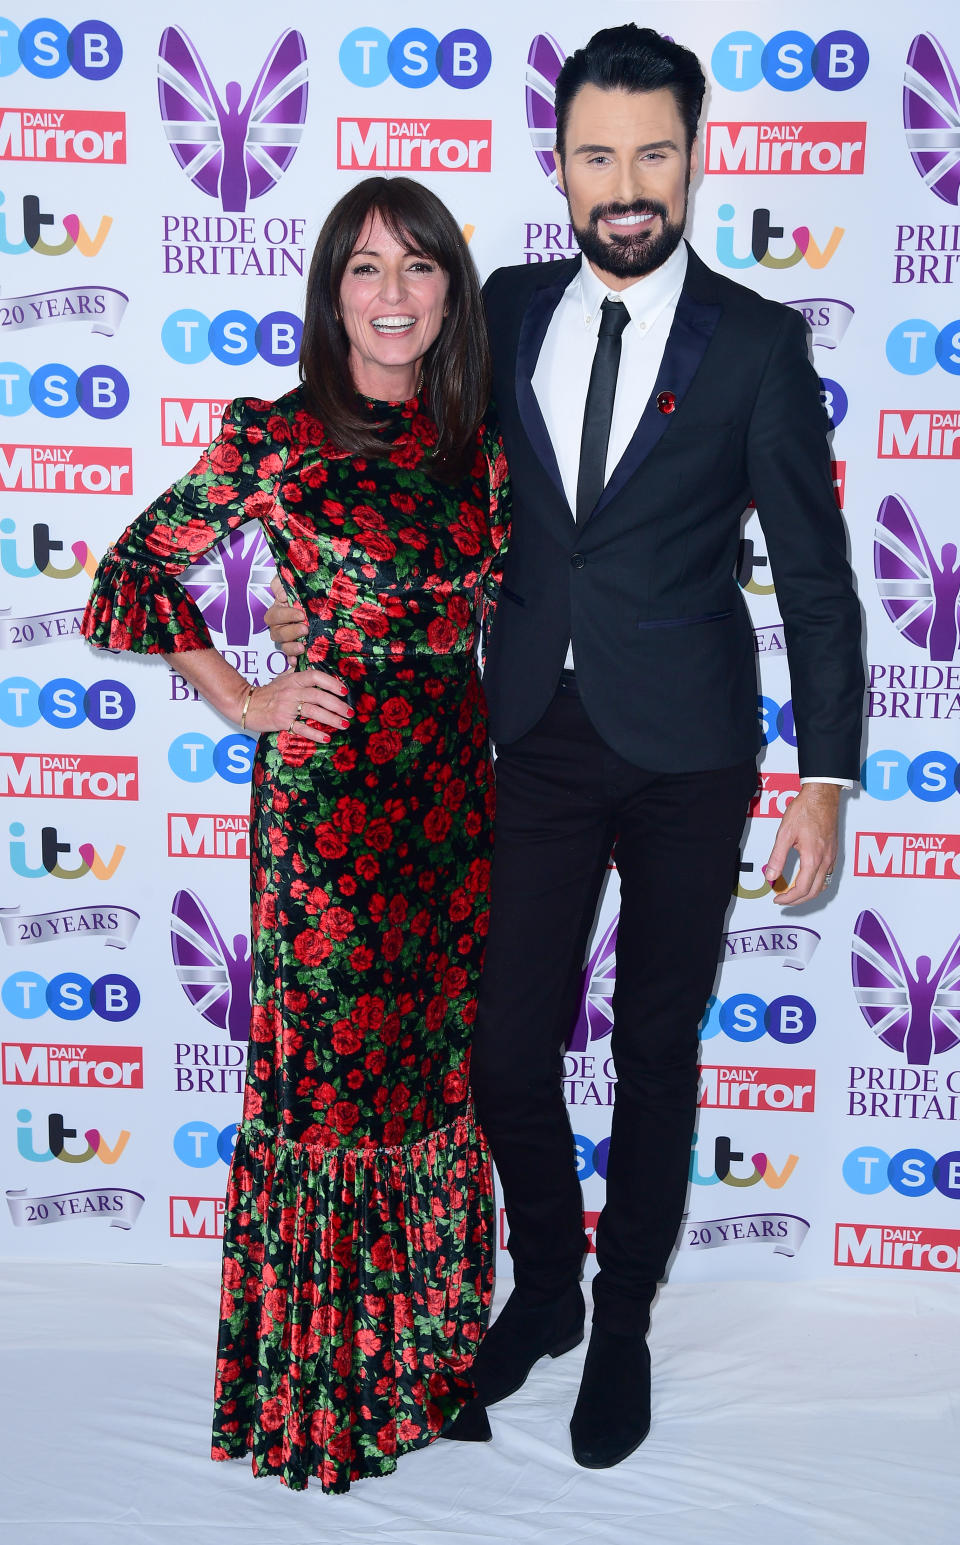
(195, 758)
(776, 721)
(931, 776)
(745, 1018)
(790, 60)
(233, 337)
(63, 703)
(47, 49)
(70, 996)
(914, 347)
(415, 58)
(57, 391)
(912, 1172)
(199, 1144)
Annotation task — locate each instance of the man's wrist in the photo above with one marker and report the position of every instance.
(840, 783)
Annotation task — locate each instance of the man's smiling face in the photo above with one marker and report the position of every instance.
(626, 171)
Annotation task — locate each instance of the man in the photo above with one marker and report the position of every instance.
(643, 400)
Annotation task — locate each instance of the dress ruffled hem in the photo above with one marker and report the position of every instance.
(139, 606)
(356, 1287)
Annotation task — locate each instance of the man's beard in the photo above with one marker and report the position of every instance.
(633, 254)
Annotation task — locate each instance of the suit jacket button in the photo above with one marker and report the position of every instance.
(577, 561)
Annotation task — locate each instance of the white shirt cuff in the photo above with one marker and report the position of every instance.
(841, 783)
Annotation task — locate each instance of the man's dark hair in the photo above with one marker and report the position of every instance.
(632, 58)
(456, 368)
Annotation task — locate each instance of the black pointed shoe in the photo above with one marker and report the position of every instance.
(612, 1414)
(522, 1334)
(472, 1425)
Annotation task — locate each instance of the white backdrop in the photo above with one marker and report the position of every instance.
(134, 303)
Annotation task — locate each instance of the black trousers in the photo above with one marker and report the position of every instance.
(563, 798)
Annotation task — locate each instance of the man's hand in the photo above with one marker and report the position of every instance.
(287, 624)
(809, 826)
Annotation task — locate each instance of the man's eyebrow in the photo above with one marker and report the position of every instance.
(658, 144)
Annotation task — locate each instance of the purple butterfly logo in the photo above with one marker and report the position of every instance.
(916, 1012)
(920, 595)
(543, 66)
(931, 117)
(231, 585)
(215, 978)
(595, 1014)
(233, 150)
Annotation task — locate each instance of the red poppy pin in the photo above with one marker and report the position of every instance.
(666, 402)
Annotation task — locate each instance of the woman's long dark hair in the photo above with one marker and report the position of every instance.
(456, 368)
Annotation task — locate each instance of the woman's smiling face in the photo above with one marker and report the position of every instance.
(392, 303)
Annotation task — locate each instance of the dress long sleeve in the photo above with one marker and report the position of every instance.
(137, 601)
(498, 476)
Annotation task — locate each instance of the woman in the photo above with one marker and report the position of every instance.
(357, 1242)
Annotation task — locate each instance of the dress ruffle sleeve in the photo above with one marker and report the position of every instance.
(137, 601)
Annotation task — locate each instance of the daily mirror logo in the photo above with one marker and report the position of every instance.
(785, 149)
(931, 117)
(414, 144)
(60, 137)
(233, 150)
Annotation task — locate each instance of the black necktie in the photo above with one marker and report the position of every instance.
(598, 411)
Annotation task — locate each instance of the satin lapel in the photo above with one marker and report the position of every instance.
(694, 324)
(533, 330)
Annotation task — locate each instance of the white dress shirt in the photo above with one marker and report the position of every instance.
(562, 374)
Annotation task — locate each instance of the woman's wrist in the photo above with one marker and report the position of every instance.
(248, 694)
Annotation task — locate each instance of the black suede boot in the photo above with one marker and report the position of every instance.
(524, 1332)
(612, 1414)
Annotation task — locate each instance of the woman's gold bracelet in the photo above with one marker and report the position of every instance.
(246, 705)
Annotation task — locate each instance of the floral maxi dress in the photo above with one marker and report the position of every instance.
(357, 1265)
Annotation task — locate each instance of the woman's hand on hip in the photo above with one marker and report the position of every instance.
(311, 703)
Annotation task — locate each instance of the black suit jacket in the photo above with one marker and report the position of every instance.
(646, 587)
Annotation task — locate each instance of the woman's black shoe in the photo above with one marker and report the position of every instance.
(472, 1424)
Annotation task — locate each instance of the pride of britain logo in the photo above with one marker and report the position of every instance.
(215, 978)
(231, 585)
(931, 117)
(920, 594)
(233, 150)
(914, 1011)
(544, 63)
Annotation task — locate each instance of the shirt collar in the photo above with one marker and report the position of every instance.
(645, 299)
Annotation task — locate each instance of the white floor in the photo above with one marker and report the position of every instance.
(805, 1415)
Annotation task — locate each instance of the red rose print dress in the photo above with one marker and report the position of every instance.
(358, 1238)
